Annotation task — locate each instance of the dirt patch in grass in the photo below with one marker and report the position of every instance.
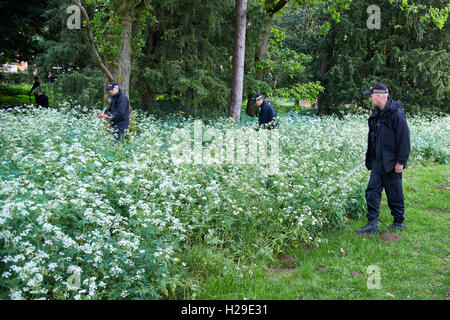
(287, 265)
(356, 274)
(287, 261)
(320, 267)
(437, 211)
(366, 235)
(279, 272)
(416, 203)
(445, 186)
(389, 237)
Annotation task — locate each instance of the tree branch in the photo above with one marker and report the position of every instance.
(277, 7)
(97, 57)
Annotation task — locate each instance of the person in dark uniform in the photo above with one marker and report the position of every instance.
(36, 84)
(41, 98)
(118, 111)
(387, 155)
(267, 115)
(51, 77)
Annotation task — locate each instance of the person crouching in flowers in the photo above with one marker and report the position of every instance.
(267, 116)
(118, 111)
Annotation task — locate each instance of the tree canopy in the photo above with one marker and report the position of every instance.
(176, 55)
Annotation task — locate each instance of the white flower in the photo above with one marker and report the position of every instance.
(16, 295)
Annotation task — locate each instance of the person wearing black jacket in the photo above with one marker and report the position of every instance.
(118, 111)
(41, 99)
(36, 84)
(387, 155)
(267, 117)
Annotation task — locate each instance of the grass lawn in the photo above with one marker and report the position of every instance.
(416, 266)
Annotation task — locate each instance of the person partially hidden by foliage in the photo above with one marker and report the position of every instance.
(36, 84)
(51, 77)
(267, 117)
(387, 155)
(118, 111)
(41, 98)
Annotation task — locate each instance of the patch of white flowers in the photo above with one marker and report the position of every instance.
(73, 203)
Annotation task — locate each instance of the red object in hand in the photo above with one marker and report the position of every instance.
(102, 116)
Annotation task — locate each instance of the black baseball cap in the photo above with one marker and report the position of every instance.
(376, 88)
(256, 97)
(112, 85)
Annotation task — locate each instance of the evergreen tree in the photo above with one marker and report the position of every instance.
(186, 60)
(20, 25)
(409, 53)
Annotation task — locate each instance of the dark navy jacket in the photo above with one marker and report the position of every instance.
(120, 110)
(267, 114)
(388, 138)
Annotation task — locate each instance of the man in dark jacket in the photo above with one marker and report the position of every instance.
(118, 111)
(36, 84)
(387, 155)
(267, 115)
(41, 98)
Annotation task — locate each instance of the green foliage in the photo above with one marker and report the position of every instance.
(72, 197)
(412, 60)
(20, 27)
(187, 57)
(85, 88)
(413, 268)
(284, 67)
(8, 89)
(14, 94)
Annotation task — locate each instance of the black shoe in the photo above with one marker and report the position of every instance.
(396, 226)
(371, 227)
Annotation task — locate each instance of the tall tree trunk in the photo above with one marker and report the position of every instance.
(322, 101)
(272, 7)
(262, 52)
(124, 68)
(238, 60)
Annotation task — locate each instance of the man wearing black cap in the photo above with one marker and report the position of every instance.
(119, 110)
(267, 115)
(387, 154)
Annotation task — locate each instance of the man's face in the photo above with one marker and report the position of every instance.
(375, 99)
(113, 91)
(258, 103)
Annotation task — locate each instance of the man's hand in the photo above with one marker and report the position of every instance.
(102, 116)
(398, 167)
